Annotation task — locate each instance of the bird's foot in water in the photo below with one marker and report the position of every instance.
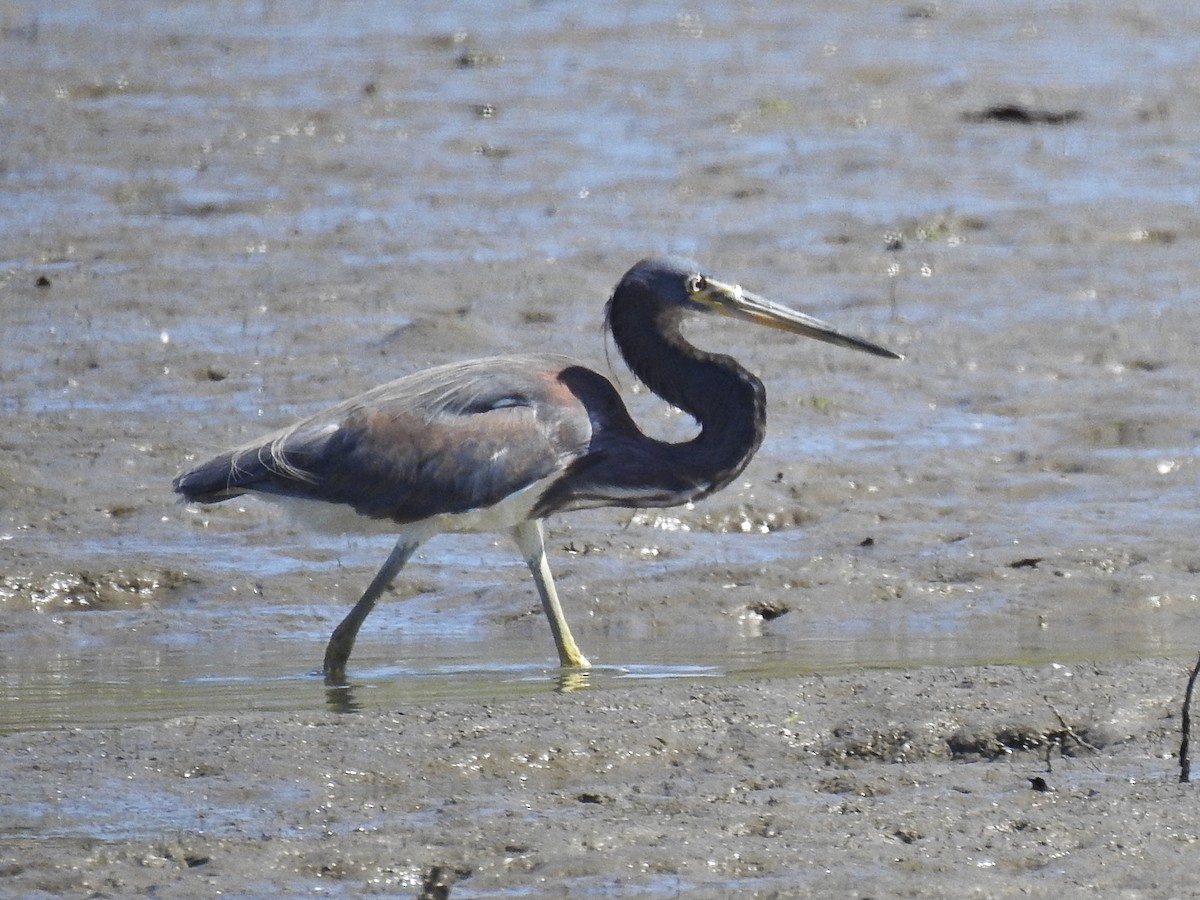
(571, 658)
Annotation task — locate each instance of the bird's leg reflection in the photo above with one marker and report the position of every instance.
(528, 536)
(340, 698)
(342, 641)
(572, 680)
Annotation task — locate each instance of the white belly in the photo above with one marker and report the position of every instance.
(337, 518)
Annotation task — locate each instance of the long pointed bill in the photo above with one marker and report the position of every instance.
(731, 300)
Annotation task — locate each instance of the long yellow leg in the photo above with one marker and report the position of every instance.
(528, 536)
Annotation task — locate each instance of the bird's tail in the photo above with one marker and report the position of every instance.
(221, 478)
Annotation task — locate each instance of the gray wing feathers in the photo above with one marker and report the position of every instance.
(446, 440)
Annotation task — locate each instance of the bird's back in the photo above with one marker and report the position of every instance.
(446, 440)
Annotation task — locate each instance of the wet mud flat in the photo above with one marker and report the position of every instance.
(955, 781)
(837, 675)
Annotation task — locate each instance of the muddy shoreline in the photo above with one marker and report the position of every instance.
(973, 781)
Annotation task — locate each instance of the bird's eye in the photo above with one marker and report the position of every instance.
(696, 283)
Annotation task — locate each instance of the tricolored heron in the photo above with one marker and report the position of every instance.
(499, 444)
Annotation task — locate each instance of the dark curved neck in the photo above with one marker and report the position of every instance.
(727, 400)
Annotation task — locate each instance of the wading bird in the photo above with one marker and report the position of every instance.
(499, 444)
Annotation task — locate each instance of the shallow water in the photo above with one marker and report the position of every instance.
(89, 688)
(242, 213)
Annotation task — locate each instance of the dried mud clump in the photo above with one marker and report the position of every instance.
(894, 744)
(975, 743)
(115, 589)
(971, 743)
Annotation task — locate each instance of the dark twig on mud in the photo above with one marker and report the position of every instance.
(1185, 761)
(1059, 739)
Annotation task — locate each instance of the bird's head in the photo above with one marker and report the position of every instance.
(678, 284)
